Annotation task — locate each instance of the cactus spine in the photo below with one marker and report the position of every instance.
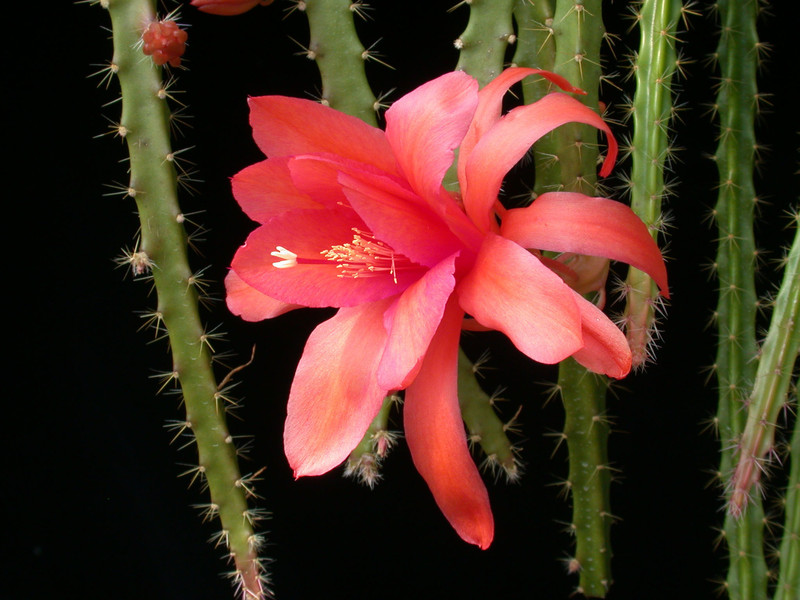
(162, 252)
(736, 308)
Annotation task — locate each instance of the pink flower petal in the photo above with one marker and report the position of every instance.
(317, 282)
(490, 105)
(249, 303)
(411, 322)
(437, 440)
(335, 394)
(572, 222)
(285, 126)
(426, 125)
(510, 290)
(605, 349)
(266, 189)
(509, 139)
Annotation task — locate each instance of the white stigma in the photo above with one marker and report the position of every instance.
(289, 259)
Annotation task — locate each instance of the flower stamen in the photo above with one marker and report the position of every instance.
(365, 256)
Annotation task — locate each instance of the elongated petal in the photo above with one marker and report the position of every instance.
(313, 281)
(250, 304)
(605, 349)
(490, 105)
(335, 393)
(285, 126)
(437, 440)
(265, 190)
(510, 138)
(411, 322)
(399, 218)
(573, 222)
(425, 126)
(511, 291)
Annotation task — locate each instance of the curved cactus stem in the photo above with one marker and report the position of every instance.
(483, 424)
(770, 392)
(652, 110)
(340, 57)
(736, 308)
(163, 249)
(482, 46)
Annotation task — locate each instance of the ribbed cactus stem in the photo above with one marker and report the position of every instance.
(340, 56)
(586, 432)
(163, 249)
(484, 426)
(652, 110)
(736, 308)
(770, 392)
(578, 30)
(482, 45)
(536, 46)
(788, 585)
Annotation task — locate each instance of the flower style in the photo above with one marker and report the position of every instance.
(228, 7)
(356, 218)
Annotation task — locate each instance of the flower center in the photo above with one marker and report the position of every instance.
(364, 256)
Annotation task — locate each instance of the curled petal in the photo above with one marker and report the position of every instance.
(510, 290)
(425, 126)
(250, 304)
(605, 349)
(335, 393)
(510, 138)
(490, 105)
(411, 322)
(437, 440)
(265, 190)
(573, 222)
(285, 126)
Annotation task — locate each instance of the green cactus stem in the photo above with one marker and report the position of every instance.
(570, 36)
(162, 252)
(586, 430)
(340, 57)
(770, 392)
(736, 308)
(365, 460)
(536, 46)
(652, 109)
(788, 585)
(484, 426)
(482, 46)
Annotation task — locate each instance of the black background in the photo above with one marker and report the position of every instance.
(91, 494)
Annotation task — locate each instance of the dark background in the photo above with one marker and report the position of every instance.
(91, 495)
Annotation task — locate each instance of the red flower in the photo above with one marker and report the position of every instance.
(356, 218)
(228, 7)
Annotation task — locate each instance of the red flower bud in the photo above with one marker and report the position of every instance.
(165, 42)
(228, 7)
